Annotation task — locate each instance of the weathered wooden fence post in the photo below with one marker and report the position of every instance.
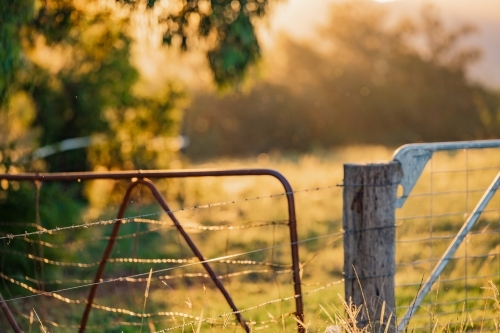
(369, 241)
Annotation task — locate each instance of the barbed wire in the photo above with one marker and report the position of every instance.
(164, 224)
(221, 259)
(140, 261)
(126, 219)
(142, 219)
(39, 292)
(95, 305)
(166, 277)
(151, 319)
(228, 314)
(171, 313)
(216, 227)
(21, 224)
(93, 327)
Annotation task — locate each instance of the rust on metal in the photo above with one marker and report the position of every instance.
(9, 315)
(156, 174)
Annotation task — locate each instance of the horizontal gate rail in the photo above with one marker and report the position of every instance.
(414, 157)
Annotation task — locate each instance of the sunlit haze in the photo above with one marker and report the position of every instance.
(300, 19)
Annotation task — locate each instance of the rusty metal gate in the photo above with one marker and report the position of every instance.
(144, 178)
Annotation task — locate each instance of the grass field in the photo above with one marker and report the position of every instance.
(255, 233)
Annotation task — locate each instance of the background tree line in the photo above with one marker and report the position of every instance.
(368, 82)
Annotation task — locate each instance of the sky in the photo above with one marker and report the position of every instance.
(299, 18)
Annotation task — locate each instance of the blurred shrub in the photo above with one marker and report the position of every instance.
(25, 208)
(77, 81)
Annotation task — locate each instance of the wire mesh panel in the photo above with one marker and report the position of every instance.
(461, 272)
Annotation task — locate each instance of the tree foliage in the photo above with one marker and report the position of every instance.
(93, 86)
(66, 72)
(14, 15)
(227, 29)
(372, 83)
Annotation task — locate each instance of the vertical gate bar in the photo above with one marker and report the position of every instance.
(299, 306)
(105, 256)
(440, 266)
(9, 315)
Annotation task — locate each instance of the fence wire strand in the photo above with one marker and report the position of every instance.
(163, 225)
(223, 259)
(131, 218)
(279, 300)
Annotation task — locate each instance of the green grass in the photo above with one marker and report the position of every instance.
(319, 214)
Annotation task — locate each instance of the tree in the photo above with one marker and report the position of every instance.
(65, 73)
(226, 27)
(370, 83)
(78, 98)
(398, 92)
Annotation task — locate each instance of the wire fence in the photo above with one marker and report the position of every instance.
(445, 195)
(49, 253)
(246, 240)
